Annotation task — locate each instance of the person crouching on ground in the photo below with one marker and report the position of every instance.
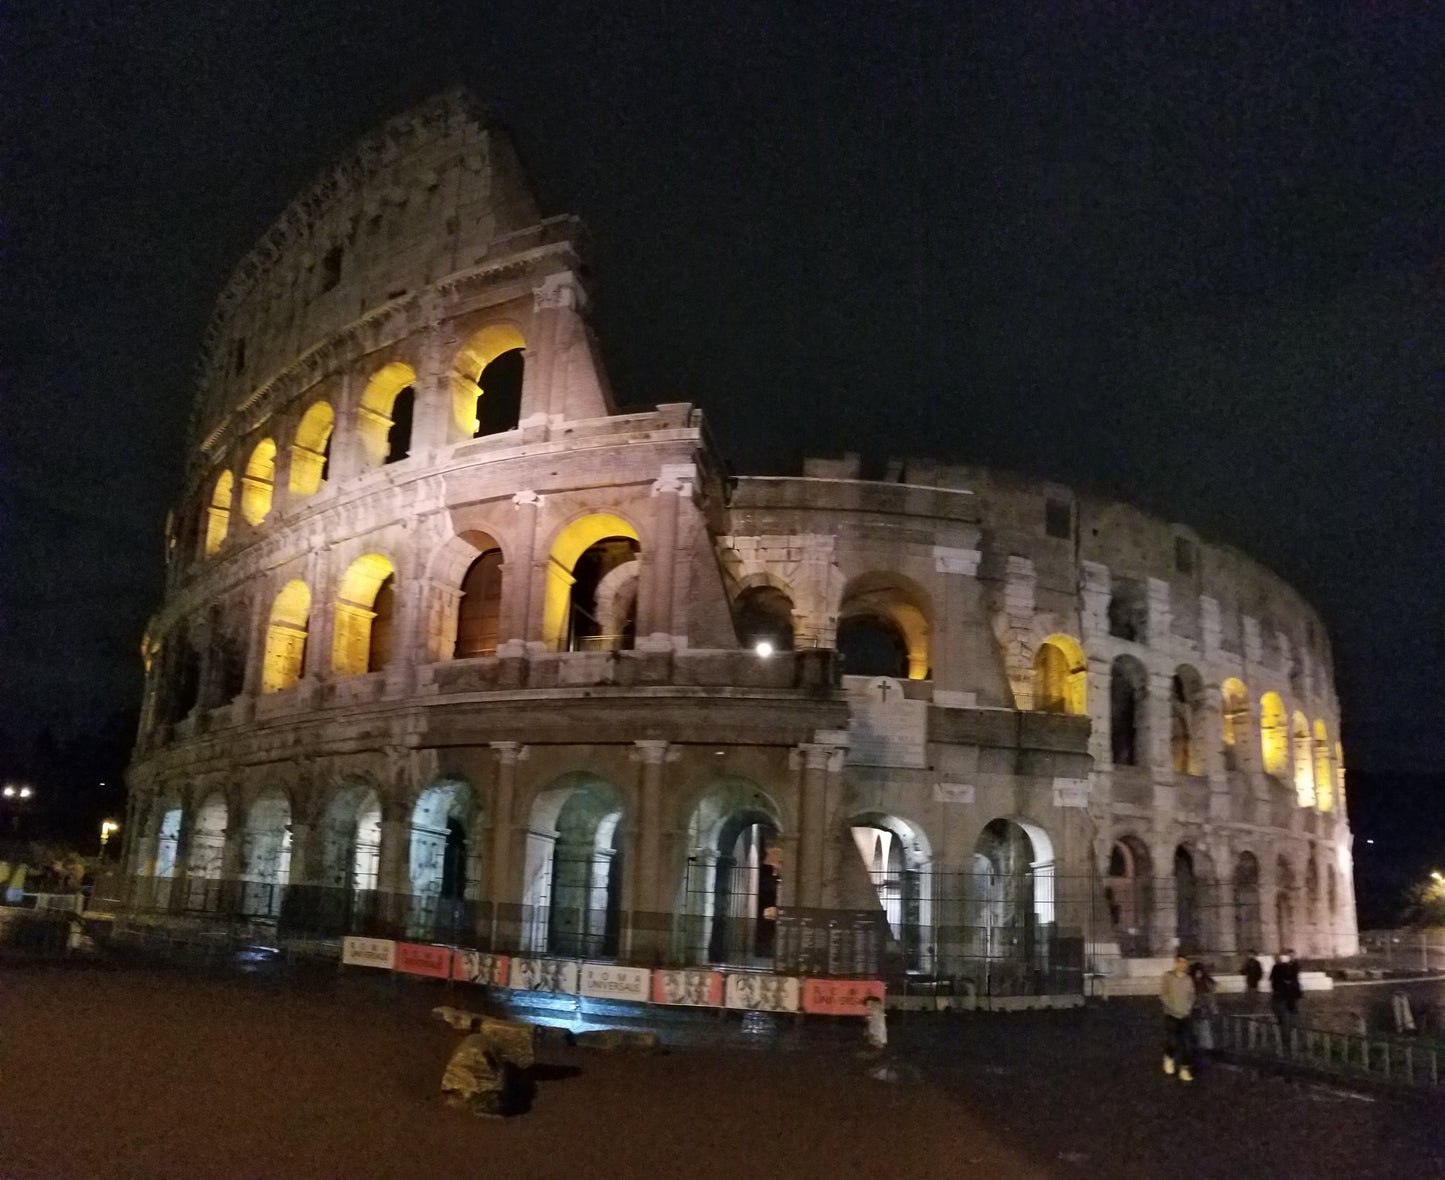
(1176, 996)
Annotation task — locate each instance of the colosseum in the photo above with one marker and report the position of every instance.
(453, 649)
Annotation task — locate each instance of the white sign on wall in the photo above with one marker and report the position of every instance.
(1071, 792)
(369, 952)
(953, 792)
(544, 975)
(606, 981)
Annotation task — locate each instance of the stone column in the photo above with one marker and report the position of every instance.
(965, 652)
(650, 919)
(502, 888)
(231, 855)
(1156, 754)
(408, 637)
(520, 569)
(1164, 927)
(811, 760)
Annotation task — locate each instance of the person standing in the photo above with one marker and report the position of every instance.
(1176, 997)
(1253, 973)
(1206, 1008)
(1285, 992)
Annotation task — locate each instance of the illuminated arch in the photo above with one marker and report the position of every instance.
(1060, 676)
(218, 512)
(1304, 774)
(375, 416)
(887, 603)
(475, 355)
(258, 485)
(363, 602)
(311, 452)
(1234, 720)
(1273, 735)
(1324, 779)
(574, 540)
(285, 657)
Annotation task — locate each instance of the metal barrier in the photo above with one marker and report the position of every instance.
(1382, 1059)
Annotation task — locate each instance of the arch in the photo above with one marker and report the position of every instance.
(1060, 676)
(764, 616)
(266, 854)
(166, 847)
(1304, 774)
(616, 601)
(383, 425)
(1273, 735)
(311, 452)
(733, 875)
(568, 613)
(479, 610)
(1248, 930)
(1186, 705)
(364, 606)
(208, 838)
(1129, 894)
(572, 883)
(1284, 900)
(351, 847)
(441, 859)
(1324, 778)
(471, 362)
(285, 658)
(1011, 908)
(898, 859)
(218, 512)
(884, 627)
(258, 484)
(1128, 695)
(1234, 721)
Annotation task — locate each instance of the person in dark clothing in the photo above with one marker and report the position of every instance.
(1285, 992)
(1253, 973)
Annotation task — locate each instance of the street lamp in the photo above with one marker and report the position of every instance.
(108, 828)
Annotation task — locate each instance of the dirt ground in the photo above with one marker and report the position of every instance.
(137, 1072)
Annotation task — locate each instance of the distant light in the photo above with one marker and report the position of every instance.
(1369, 841)
(764, 649)
(25, 792)
(9, 791)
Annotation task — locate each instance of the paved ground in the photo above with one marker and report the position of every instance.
(142, 1073)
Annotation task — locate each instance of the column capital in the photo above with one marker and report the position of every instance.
(676, 478)
(510, 753)
(817, 756)
(653, 751)
(527, 498)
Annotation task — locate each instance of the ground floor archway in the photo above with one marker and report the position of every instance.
(572, 880)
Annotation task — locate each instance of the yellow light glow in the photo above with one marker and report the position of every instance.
(1273, 734)
(373, 416)
(285, 656)
(218, 512)
(1304, 777)
(1234, 703)
(571, 543)
(259, 482)
(308, 452)
(1060, 676)
(480, 351)
(355, 603)
(1324, 779)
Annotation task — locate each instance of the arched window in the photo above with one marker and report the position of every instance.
(883, 628)
(1304, 775)
(765, 619)
(363, 595)
(383, 420)
(311, 452)
(1273, 735)
(480, 610)
(1234, 703)
(1324, 778)
(1060, 676)
(486, 388)
(573, 871)
(1185, 701)
(584, 555)
(286, 638)
(1128, 610)
(1129, 894)
(259, 482)
(1127, 693)
(218, 512)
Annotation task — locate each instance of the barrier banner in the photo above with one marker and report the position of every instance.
(476, 967)
(544, 975)
(606, 981)
(839, 997)
(764, 993)
(696, 989)
(419, 958)
(368, 952)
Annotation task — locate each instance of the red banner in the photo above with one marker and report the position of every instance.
(837, 997)
(416, 958)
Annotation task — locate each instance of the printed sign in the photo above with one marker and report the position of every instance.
(544, 975)
(476, 967)
(839, 997)
(697, 989)
(604, 981)
(1071, 792)
(369, 952)
(419, 958)
(764, 993)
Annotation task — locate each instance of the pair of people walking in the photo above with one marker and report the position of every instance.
(1186, 993)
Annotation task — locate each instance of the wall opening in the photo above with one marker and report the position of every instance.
(285, 658)
(1248, 928)
(570, 616)
(1128, 695)
(572, 884)
(1324, 777)
(1129, 895)
(1186, 706)
(1013, 895)
(383, 419)
(883, 628)
(266, 855)
(311, 452)
(1304, 771)
(208, 844)
(1060, 676)
(218, 512)
(476, 402)
(364, 599)
(479, 612)
(259, 482)
(1234, 704)
(1128, 610)
(764, 617)
(1273, 735)
(499, 404)
(896, 857)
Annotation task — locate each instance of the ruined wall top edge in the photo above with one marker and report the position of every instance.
(434, 191)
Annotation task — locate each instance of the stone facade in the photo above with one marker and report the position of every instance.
(449, 644)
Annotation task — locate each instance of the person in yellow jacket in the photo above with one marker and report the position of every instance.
(1176, 996)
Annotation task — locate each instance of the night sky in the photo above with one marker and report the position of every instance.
(1192, 259)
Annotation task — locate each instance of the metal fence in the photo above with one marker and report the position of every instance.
(1382, 1059)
